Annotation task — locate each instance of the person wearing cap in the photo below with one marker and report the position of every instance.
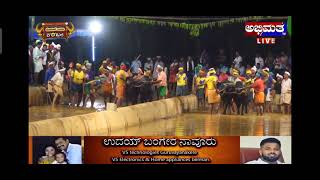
(181, 82)
(200, 83)
(162, 79)
(212, 95)
(286, 92)
(173, 70)
(77, 84)
(121, 77)
(277, 89)
(259, 96)
(37, 60)
(57, 55)
(148, 65)
(57, 83)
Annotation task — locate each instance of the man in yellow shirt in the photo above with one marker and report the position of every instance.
(211, 82)
(121, 77)
(200, 83)
(77, 77)
(181, 83)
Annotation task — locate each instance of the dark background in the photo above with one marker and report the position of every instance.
(123, 42)
(15, 131)
(40, 143)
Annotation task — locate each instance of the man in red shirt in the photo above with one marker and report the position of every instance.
(258, 87)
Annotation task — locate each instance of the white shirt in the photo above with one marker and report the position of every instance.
(286, 85)
(74, 154)
(57, 79)
(259, 60)
(237, 60)
(37, 59)
(260, 161)
(57, 58)
(188, 65)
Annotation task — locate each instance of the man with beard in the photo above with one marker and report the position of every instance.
(72, 151)
(270, 152)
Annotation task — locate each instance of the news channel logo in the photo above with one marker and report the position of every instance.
(266, 29)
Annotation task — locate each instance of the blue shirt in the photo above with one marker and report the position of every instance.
(91, 75)
(49, 74)
(136, 64)
(74, 154)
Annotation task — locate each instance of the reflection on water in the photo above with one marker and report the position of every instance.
(201, 124)
(37, 113)
(196, 124)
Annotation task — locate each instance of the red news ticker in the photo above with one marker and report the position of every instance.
(266, 40)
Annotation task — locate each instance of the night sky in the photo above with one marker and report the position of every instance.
(122, 41)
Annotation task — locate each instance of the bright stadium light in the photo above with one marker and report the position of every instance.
(94, 27)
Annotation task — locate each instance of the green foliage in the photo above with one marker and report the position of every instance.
(194, 29)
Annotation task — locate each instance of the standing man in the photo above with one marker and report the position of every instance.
(173, 70)
(77, 84)
(57, 56)
(37, 60)
(31, 65)
(73, 151)
(121, 77)
(211, 84)
(258, 87)
(277, 89)
(148, 65)
(162, 78)
(190, 70)
(286, 92)
(237, 60)
(57, 84)
(44, 64)
(181, 82)
(49, 73)
(259, 60)
(155, 74)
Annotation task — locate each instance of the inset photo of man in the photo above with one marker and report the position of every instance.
(265, 150)
(57, 150)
